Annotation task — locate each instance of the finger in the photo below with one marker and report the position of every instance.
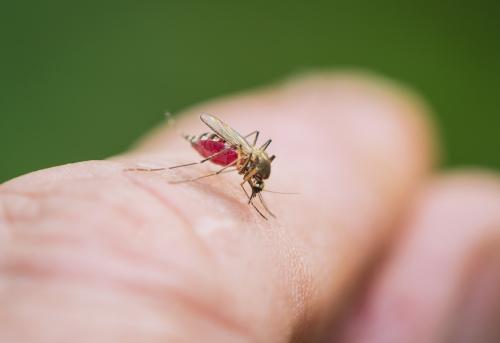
(441, 284)
(351, 147)
(354, 149)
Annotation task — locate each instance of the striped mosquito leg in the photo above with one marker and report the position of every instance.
(144, 169)
(220, 171)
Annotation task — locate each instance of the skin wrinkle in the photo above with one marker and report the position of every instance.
(160, 198)
(40, 270)
(242, 209)
(54, 193)
(204, 310)
(69, 217)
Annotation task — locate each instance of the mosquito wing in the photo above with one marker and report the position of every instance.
(225, 132)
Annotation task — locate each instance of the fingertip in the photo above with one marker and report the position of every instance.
(353, 146)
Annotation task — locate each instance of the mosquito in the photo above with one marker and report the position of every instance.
(226, 147)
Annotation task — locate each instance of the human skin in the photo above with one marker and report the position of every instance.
(378, 246)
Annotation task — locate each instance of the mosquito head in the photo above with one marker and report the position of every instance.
(262, 163)
(257, 186)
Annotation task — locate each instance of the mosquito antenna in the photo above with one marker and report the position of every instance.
(261, 198)
(288, 193)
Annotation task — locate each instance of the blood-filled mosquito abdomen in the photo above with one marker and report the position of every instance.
(208, 147)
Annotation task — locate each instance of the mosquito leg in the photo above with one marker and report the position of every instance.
(261, 198)
(249, 197)
(244, 190)
(244, 166)
(204, 160)
(144, 169)
(228, 171)
(256, 133)
(247, 178)
(266, 144)
(220, 171)
(182, 165)
(249, 175)
(211, 174)
(250, 201)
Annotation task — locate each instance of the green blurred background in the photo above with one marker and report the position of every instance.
(82, 80)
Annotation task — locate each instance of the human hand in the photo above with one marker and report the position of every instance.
(377, 246)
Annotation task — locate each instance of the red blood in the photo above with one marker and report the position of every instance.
(208, 147)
